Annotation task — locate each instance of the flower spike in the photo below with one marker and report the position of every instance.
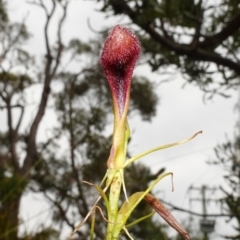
(119, 56)
(120, 53)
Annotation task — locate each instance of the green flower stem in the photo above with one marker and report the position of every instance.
(114, 195)
(92, 225)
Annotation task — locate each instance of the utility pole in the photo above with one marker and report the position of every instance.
(206, 225)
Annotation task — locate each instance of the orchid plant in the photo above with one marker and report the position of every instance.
(118, 59)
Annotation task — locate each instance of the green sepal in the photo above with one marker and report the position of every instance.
(103, 195)
(133, 159)
(140, 219)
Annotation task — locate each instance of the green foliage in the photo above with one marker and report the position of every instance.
(15, 83)
(183, 13)
(3, 12)
(44, 234)
(11, 188)
(78, 47)
(144, 98)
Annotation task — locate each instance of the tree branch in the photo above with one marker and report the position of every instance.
(195, 54)
(198, 54)
(12, 136)
(21, 115)
(75, 170)
(215, 40)
(49, 16)
(60, 45)
(20, 118)
(12, 41)
(31, 145)
(62, 211)
(197, 34)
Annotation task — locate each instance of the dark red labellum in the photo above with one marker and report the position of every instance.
(120, 53)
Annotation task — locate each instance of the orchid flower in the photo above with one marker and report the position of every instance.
(120, 53)
(118, 59)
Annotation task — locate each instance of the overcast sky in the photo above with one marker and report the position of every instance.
(181, 113)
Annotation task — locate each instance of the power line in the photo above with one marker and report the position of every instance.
(176, 208)
(181, 155)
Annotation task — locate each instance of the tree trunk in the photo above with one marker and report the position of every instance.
(11, 192)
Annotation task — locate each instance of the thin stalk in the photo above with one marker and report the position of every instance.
(114, 196)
